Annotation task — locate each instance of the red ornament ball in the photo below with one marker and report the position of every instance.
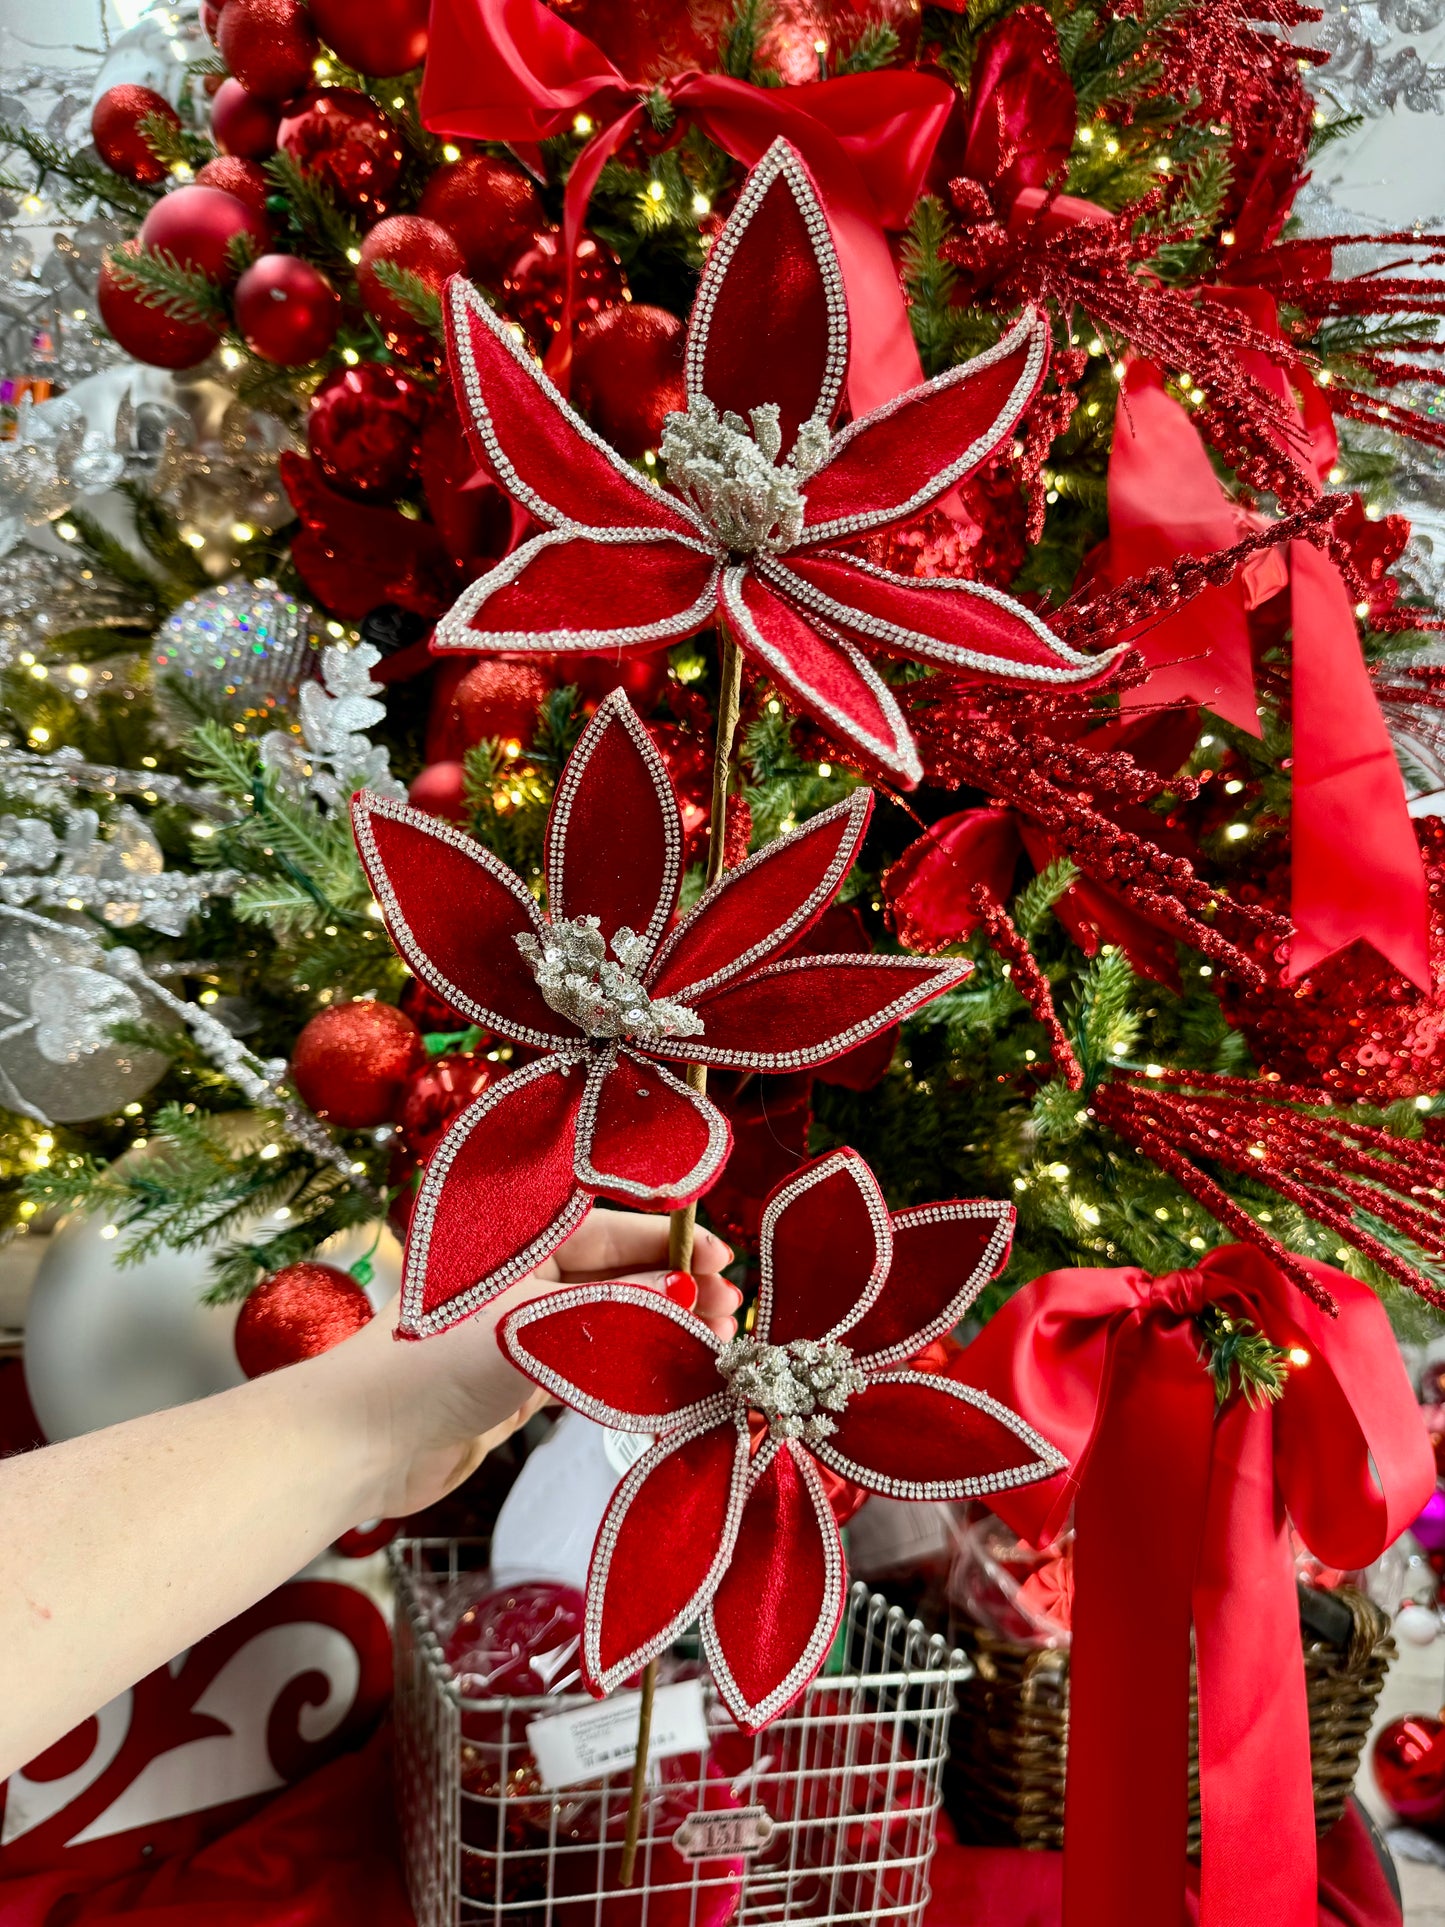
(534, 286)
(268, 45)
(440, 1091)
(426, 1009)
(364, 427)
(1409, 1763)
(627, 374)
(351, 1063)
(341, 139)
(499, 700)
(242, 124)
(286, 310)
(519, 1642)
(298, 1313)
(115, 127)
(211, 18)
(439, 790)
(374, 36)
(415, 245)
(205, 228)
(239, 177)
(642, 678)
(489, 209)
(144, 331)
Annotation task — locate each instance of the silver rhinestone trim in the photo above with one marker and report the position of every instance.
(991, 1258)
(848, 820)
(783, 1200)
(601, 995)
(783, 160)
(1046, 1462)
(681, 1190)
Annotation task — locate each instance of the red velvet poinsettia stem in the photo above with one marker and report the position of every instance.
(683, 1224)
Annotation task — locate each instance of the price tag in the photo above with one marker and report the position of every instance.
(593, 1740)
(724, 1836)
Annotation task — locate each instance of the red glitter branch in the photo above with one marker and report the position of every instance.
(1029, 981)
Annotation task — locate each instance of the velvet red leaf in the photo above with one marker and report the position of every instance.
(943, 1256)
(644, 1138)
(907, 1435)
(621, 1354)
(824, 1249)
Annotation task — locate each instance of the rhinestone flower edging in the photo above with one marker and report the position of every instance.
(602, 997)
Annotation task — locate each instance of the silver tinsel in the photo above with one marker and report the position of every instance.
(794, 1386)
(605, 999)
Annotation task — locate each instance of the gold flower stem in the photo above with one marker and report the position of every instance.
(682, 1225)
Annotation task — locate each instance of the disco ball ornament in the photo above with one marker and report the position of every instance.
(242, 648)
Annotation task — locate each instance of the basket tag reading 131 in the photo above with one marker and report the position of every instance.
(594, 1739)
(724, 1836)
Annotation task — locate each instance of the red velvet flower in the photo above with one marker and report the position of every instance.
(762, 491)
(704, 1526)
(607, 987)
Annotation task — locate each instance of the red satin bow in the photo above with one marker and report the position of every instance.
(1181, 1521)
(511, 70)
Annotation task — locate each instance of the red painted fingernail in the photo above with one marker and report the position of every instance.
(681, 1288)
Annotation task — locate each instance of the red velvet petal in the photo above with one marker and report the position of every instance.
(927, 889)
(621, 1354)
(614, 835)
(800, 1012)
(963, 625)
(644, 1138)
(763, 906)
(770, 323)
(824, 1250)
(889, 465)
(943, 1256)
(542, 454)
(776, 1610)
(565, 591)
(914, 1435)
(667, 1536)
(454, 911)
(497, 1197)
(825, 673)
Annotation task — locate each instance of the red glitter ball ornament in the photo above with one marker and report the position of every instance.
(418, 247)
(499, 700)
(627, 375)
(298, 1313)
(239, 177)
(242, 124)
(438, 1092)
(489, 209)
(351, 1063)
(363, 428)
(205, 228)
(269, 45)
(115, 127)
(643, 678)
(534, 286)
(286, 310)
(374, 36)
(426, 1009)
(439, 789)
(144, 331)
(341, 139)
(1409, 1764)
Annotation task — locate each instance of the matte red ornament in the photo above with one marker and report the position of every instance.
(436, 1093)
(342, 139)
(144, 331)
(627, 374)
(1409, 1766)
(269, 46)
(351, 1063)
(379, 37)
(490, 209)
(500, 700)
(243, 178)
(418, 247)
(440, 790)
(767, 345)
(115, 127)
(205, 228)
(298, 1313)
(242, 124)
(534, 286)
(640, 678)
(286, 310)
(709, 1523)
(600, 1110)
(364, 429)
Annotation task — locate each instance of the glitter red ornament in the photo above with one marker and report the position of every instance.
(342, 140)
(436, 1093)
(417, 247)
(534, 286)
(627, 375)
(490, 210)
(499, 700)
(143, 330)
(1409, 1765)
(298, 1313)
(363, 428)
(115, 127)
(374, 36)
(440, 790)
(207, 229)
(242, 178)
(269, 46)
(351, 1063)
(286, 310)
(242, 124)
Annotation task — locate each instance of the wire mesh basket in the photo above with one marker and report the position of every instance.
(828, 1814)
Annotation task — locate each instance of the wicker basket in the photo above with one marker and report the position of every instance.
(1010, 1733)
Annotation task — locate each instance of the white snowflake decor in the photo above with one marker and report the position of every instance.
(335, 755)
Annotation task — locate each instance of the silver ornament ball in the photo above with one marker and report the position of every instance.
(242, 648)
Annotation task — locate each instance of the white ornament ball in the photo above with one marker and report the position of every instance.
(1418, 1625)
(242, 647)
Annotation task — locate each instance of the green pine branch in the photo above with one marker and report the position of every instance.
(158, 280)
(83, 178)
(875, 47)
(421, 302)
(312, 214)
(740, 46)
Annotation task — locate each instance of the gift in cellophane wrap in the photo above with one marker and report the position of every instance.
(513, 1782)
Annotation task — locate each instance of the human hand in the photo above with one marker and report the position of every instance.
(430, 1411)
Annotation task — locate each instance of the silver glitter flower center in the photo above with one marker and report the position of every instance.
(606, 999)
(794, 1386)
(732, 475)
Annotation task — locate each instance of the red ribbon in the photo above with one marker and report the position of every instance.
(1180, 1522)
(511, 70)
